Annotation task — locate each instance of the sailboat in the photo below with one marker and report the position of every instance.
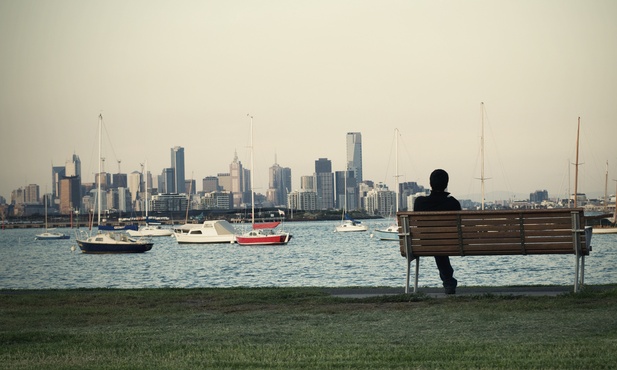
(262, 233)
(348, 224)
(109, 242)
(150, 229)
(609, 229)
(391, 232)
(49, 234)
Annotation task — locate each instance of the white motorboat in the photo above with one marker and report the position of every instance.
(211, 231)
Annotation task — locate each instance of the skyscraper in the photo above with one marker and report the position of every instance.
(177, 163)
(354, 155)
(279, 184)
(324, 179)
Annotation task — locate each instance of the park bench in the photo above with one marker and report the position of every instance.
(488, 233)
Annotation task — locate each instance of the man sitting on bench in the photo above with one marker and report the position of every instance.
(440, 200)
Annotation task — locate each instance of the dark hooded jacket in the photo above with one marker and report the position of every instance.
(437, 201)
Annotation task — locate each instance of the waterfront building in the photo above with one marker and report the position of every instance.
(354, 155)
(217, 200)
(224, 181)
(324, 181)
(177, 163)
(405, 189)
(169, 203)
(381, 201)
(105, 179)
(302, 200)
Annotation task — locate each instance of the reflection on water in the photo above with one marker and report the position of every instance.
(316, 256)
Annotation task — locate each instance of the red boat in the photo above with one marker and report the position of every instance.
(263, 234)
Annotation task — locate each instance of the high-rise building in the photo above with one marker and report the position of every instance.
(134, 184)
(57, 173)
(70, 194)
(210, 184)
(279, 184)
(240, 182)
(73, 167)
(351, 193)
(177, 163)
(167, 182)
(354, 155)
(31, 194)
(324, 181)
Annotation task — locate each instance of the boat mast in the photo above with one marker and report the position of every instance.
(576, 165)
(606, 189)
(482, 178)
(396, 176)
(252, 163)
(98, 185)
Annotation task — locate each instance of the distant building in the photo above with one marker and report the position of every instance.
(167, 181)
(70, 194)
(177, 163)
(169, 203)
(324, 183)
(119, 180)
(31, 194)
(346, 198)
(279, 184)
(354, 155)
(303, 200)
(381, 201)
(210, 184)
(538, 196)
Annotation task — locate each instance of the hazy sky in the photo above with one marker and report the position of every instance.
(186, 73)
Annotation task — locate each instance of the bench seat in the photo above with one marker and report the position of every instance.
(484, 233)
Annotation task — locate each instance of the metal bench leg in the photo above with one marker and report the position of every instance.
(415, 283)
(407, 277)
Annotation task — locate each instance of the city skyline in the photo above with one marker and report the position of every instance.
(186, 74)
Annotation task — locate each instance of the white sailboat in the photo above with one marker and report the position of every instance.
(150, 229)
(612, 220)
(391, 232)
(109, 242)
(50, 234)
(348, 224)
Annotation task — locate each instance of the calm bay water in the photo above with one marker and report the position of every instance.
(316, 256)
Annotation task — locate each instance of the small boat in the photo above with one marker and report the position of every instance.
(612, 221)
(212, 231)
(391, 232)
(263, 233)
(109, 242)
(349, 225)
(50, 234)
(151, 228)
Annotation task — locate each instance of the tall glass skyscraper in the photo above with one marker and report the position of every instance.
(354, 155)
(177, 163)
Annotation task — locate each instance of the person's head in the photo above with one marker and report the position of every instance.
(439, 180)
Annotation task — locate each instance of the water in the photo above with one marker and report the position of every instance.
(316, 256)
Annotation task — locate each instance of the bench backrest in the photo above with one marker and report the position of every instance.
(460, 233)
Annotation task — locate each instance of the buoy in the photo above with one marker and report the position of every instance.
(73, 248)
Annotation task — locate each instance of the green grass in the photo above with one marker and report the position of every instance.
(303, 328)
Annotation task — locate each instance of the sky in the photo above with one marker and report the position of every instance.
(188, 73)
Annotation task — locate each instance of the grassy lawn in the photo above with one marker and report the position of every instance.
(303, 328)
